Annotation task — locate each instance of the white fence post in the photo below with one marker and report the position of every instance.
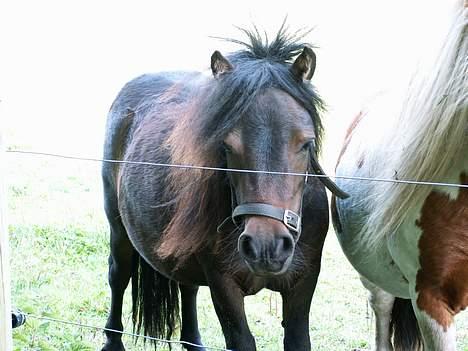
(6, 342)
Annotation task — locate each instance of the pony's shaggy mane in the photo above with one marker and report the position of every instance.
(204, 123)
(426, 140)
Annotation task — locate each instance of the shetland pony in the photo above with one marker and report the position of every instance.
(256, 111)
(410, 242)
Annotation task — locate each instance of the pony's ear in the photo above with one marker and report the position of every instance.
(304, 65)
(219, 64)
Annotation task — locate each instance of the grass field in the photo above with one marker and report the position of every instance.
(59, 237)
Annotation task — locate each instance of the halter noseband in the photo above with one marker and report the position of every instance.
(289, 218)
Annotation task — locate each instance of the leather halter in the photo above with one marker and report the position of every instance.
(289, 218)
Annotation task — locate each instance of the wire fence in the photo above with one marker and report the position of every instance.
(150, 338)
(195, 167)
(88, 326)
(237, 170)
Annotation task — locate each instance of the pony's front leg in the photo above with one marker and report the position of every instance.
(228, 301)
(296, 309)
(382, 305)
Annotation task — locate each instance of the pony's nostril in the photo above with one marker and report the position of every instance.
(247, 247)
(287, 244)
(284, 246)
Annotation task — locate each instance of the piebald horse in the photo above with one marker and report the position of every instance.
(410, 242)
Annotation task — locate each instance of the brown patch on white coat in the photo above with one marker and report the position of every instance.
(442, 281)
(348, 135)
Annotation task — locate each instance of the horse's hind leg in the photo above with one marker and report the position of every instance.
(190, 332)
(382, 305)
(120, 270)
(438, 335)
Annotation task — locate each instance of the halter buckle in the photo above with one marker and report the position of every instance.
(292, 220)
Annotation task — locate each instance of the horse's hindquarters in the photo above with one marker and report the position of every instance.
(374, 262)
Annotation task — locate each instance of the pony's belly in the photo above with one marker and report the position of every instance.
(376, 263)
(403, 246)
(189, 273)
(378, 267)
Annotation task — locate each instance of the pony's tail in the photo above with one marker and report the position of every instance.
(404, 327)
(155, 308)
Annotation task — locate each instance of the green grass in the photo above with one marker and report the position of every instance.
(59, 247)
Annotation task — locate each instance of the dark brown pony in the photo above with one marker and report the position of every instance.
(257, 111)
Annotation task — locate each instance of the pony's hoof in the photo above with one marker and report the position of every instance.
(113, 346)
(194, 348)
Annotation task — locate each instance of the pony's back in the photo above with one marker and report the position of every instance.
(141, 99)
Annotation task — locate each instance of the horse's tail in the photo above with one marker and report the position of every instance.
(404, 327)
(155, 308)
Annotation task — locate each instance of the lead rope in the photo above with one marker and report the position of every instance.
(306, 182)
(300, 207)
(229, 218)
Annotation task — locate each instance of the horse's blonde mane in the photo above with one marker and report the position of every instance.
(428, 137)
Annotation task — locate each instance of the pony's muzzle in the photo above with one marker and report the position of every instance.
(266, 254)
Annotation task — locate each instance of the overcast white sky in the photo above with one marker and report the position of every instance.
(63, 62)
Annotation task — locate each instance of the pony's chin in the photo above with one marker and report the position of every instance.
(263, 270)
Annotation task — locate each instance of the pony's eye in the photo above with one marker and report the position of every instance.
(306, 146)
(227, 148)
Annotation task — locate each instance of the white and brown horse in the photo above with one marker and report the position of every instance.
(410, 242)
